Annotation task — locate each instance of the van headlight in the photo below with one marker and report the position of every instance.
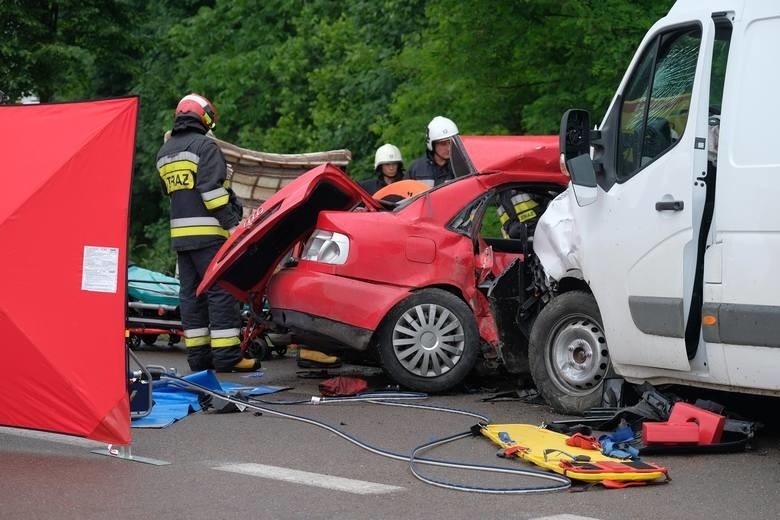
(327, 247)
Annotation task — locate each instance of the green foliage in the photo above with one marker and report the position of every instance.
(291, 76)
(69, 49)
(155, 252)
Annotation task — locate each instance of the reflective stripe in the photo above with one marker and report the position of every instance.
(225, 337)
(225, 342)
(215, 198)
(200, 231)
(225, 333)
(194, 221)
(197, 342)
(195, 226)
(217, 203)
(176, 166)
(181, 156)
(196, 337)
(525, 211)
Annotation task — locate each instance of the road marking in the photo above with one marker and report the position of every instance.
(359, 487)
(565, 517)
(59, 438)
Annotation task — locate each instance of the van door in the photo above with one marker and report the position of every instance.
(742, 286)
(640, 240)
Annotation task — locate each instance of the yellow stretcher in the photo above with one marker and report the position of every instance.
(548, 449)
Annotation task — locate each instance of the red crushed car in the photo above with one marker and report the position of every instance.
(434, 285)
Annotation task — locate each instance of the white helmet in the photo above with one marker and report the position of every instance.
(440, 128)
(387, 153)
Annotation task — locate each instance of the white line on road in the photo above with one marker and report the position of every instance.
(565, 517)
(360, 487)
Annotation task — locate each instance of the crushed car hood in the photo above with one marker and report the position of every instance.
(249, 257)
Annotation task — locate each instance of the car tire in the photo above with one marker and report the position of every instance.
(149, 339)
(258, 349)
(568, 353)
(133, 341)
(429, 342)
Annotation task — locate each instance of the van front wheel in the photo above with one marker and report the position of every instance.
(568, 353)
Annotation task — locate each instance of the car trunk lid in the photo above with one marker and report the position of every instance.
(246, 261)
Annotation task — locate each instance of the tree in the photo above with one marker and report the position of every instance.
(68, 49)
(513, 66)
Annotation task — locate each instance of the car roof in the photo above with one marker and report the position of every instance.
(513, 153)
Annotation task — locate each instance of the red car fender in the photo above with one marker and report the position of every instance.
(345, 300)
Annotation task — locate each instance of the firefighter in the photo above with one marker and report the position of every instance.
(388, 168)
(518, 213)
(435, 167)
(204, 211)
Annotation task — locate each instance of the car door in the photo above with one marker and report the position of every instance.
(640, 240)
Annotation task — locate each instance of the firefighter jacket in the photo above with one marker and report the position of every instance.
(375, 184)
(193, 173)
(426, 170)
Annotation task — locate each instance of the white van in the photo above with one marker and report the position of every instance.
(662, 251)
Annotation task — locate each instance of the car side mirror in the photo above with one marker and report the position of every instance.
(575, 155)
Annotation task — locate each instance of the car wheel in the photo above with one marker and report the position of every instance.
(258, 349)
(429, 342)
(133, 341)
(149, 339)
(568, 353)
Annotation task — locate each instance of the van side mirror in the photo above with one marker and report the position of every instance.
(575, 155)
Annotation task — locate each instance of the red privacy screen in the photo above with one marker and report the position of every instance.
(65, 181)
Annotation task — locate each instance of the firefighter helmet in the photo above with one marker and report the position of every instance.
(387, 153)
(200, 107)
(440, 128)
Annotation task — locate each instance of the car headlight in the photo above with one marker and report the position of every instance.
(327, 247)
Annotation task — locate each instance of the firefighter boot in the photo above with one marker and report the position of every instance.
(243, 365)
(307, 358)
(247, 365)
(232, 359)
(199, 358)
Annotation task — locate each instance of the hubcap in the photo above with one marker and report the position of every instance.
(428, 340)
(579, 358)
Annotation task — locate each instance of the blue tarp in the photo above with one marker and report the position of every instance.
(172, 402)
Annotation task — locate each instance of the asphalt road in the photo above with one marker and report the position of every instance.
(249, 465)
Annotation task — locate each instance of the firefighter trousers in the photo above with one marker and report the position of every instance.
(211, 321)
